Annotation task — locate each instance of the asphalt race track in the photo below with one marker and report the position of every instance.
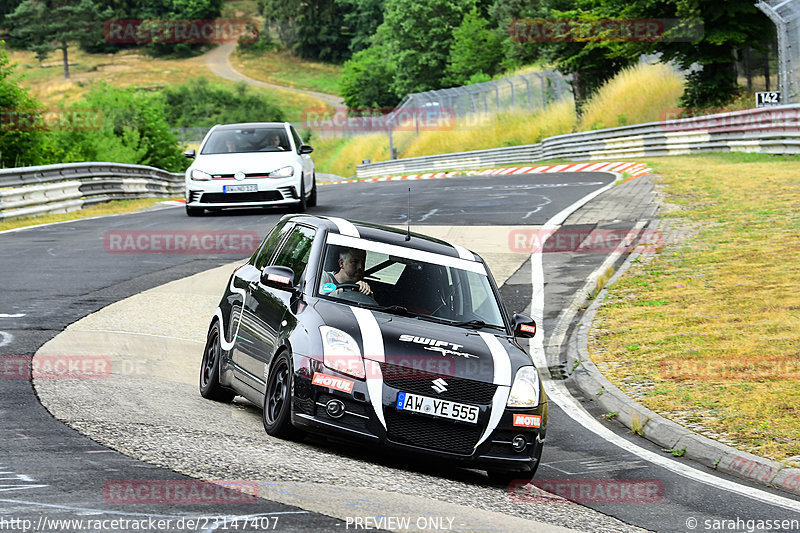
(55, 275)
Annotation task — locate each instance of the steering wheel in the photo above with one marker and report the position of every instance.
(351, 286)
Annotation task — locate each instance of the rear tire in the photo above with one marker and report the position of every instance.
(195, 211)
(277, 417)
(312, 198)
(210, 387)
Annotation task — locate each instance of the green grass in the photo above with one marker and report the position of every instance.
(284, 68)
(707, 331)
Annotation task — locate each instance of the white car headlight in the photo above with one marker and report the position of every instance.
(341, 352)
(525, 390)
(283, 172)
(199, 175)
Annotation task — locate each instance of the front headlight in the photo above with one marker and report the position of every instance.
(199, 175)
(525, 390)
(341, 352)
(283, 172)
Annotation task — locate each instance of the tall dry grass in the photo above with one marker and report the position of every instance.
(642, 93)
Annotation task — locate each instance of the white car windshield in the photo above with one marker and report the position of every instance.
(245, 140)
(411, 286)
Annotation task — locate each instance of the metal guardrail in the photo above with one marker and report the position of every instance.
(770, 130)
(71, 186)
(38, 190)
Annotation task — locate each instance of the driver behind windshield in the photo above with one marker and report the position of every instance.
(351, 270)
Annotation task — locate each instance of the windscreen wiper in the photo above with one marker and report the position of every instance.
(475, 324)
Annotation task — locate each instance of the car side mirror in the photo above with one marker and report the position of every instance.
(190, 153)
(524, 326)
(306, 149)
(278, 277)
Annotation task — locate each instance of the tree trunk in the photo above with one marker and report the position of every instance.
(66, 59)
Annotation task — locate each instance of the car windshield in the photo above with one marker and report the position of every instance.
(245, 140)
(411, 286)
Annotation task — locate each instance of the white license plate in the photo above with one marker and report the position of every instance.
(240, 188)
(436, 407)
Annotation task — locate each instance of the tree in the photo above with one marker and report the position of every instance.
(367, 79)
(361, 19)
(46, 25)
(737, 25)
(19, 146)
(312, 29)
(475, 50)
(418, 35)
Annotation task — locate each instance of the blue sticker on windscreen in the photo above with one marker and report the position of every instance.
(328, 287)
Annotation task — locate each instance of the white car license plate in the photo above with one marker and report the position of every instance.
(436, 407)
(240, 188)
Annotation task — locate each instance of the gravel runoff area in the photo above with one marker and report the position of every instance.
(149, 408)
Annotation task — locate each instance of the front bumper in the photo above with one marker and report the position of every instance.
(413, 432)
(270, 192)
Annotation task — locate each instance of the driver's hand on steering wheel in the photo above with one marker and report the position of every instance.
(364, 287)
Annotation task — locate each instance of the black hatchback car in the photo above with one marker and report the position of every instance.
(410, 348)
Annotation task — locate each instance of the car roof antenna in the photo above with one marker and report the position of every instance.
(408, 219)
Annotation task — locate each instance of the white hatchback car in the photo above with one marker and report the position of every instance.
(248, 165)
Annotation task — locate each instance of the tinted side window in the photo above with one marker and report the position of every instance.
(270, 243)
(294, 253)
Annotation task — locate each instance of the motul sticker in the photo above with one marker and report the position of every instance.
(324, 380)
(279, 279)
(527, 328)
(528, 421)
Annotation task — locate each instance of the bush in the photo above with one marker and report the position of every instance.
(201, 103)
(132, 130)
(367, 79)
(17, 148)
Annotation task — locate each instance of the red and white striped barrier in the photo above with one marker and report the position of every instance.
(634, 170)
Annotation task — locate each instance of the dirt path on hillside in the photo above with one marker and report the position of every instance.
(218, 62)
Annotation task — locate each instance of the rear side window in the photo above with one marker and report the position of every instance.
(294, 254)
(269, 245)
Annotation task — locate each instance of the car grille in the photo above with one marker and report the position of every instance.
(420, 382)
(228, 198)
(431, 433)
(230, 176)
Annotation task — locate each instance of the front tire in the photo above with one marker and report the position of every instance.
(312, 198)
(210, 387)
(278, 398)
(194, 211)
(505, 477)
(302, 204)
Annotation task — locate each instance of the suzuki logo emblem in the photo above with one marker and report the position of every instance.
(439, 385)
